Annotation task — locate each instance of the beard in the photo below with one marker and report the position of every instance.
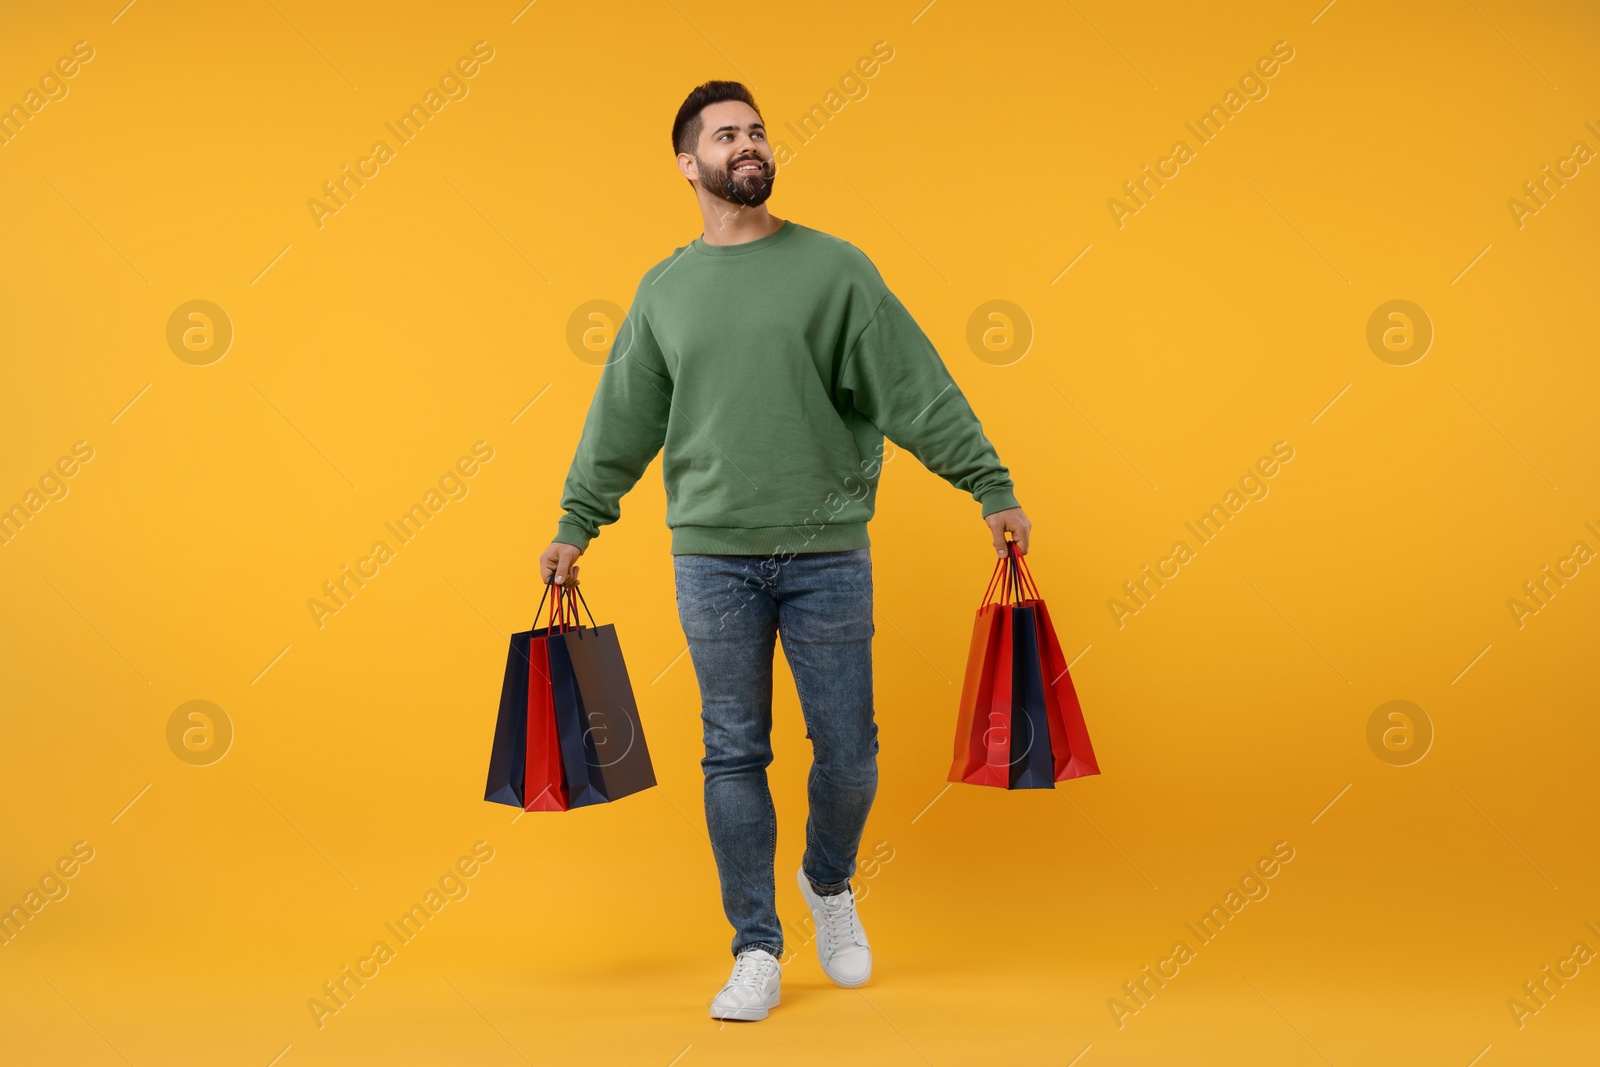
(745, 190)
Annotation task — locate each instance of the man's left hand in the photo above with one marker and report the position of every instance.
(1014, 521)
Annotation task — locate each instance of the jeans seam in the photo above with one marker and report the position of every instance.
(776, 951)
(823, 888)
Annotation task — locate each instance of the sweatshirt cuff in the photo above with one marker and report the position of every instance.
(568, 533)
(998, 499)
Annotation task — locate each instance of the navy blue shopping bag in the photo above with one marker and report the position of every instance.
(1032, 763)
(603, 749)
(509, 755)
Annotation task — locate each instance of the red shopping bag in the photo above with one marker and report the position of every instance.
(545, 787)
(983, 725)
(1069, 736)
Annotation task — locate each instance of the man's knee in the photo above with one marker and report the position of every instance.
(853, 767)
(739, 759)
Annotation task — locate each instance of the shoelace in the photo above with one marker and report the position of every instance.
(752, 967)
(839, 920)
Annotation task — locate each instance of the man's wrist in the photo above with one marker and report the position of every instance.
(569, 534)
(1002, 498)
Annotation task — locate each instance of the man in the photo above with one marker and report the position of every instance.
(767, 361)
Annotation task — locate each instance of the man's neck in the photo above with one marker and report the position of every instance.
(734, 224)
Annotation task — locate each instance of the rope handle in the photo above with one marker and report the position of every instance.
(1011, 575)
(1024, 576)
(564, 608)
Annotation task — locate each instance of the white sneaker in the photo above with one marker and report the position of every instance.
(841, 942)
(752, 989)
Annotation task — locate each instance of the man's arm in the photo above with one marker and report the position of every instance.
(625, 428)
(896, 378)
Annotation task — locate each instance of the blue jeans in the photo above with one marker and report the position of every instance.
(732, 609)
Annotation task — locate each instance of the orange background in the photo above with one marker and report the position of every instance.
(433, 310)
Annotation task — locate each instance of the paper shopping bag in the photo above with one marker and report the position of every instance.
(1069, 735)
(603, 749)
(546, 786)
(1031, 764)
(507, 757)
(525, 760)
(1019, 725)
(983, 724)
(614, 736)
(1072, 753)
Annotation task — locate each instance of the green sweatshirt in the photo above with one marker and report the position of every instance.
(767, 373)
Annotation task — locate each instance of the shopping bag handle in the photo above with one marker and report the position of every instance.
(558, 613)
(574, 591)
(564, 608)
(1024, 577)
(1012, 576)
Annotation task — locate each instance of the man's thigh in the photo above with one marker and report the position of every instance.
(731, 622)
(825, 617)
(725, 600)
(826, 598)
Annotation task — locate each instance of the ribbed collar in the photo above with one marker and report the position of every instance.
(746, 247)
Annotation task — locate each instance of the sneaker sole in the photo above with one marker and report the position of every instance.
(847, 985)
(751, 1014)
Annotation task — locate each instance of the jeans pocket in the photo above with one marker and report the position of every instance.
(711, 593)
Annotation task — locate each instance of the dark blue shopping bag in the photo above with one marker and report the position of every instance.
(509, 756)
(603, 749)
(1032, 763)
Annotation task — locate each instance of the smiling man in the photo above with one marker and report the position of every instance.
(766, 361)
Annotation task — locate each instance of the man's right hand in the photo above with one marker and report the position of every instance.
(560, 560)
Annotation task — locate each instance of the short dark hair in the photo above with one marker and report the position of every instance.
(687, 126)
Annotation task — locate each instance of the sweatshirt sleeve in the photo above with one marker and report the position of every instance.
(625, 428)
(896, 378)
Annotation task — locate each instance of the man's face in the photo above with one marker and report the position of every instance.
(733, 158)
